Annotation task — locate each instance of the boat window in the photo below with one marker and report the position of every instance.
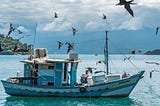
(65, 72)
(50, 67)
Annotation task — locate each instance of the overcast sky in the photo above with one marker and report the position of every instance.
(85, 15)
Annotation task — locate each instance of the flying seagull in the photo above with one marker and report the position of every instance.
(127, 5)
(55, 15)
(1, 47)
(74, 30)
(104, 16)
(70, 46)
(153, 63)
(157, 28)
(11, 29)
(134, 51)
(101, 61)
(152, 72)
(19, 31)
(127, 58)
(60, 44)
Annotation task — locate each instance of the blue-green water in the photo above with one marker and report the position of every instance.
(146, 93)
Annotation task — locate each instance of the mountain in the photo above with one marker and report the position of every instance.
(120, 42)
(11, 46)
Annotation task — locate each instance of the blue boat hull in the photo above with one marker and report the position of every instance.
(119, 88)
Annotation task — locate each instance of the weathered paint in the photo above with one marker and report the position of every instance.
(119, 88)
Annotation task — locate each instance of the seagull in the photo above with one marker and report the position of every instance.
(1, 47)
(70, 46)
(74, 30)
(99, 72)
(60, 44)
(127, 5)
(101, 61)
(134, 51)
(157, 28)
(104, 16)
(153, 63)
(152, 72)
(90, 69)
(55, 15)
(127, 58)
(15, 48)
(19, 31)
(11, 29)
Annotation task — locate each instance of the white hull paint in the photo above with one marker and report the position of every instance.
(119, 88)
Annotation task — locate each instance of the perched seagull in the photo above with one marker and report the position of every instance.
(153, 63)
(11, 29)
(104, 16)
(127, 5)
(60, 44)
(55, 15)
(157, 28)
(19, 31)
(127, 58)
(101, 61)
(74, 30)
(70, 46)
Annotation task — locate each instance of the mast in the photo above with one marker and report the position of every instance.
(35, 32)
(106, 52)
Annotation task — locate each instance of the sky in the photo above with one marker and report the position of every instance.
(84, 15)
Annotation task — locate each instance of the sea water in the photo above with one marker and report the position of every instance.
(146, 93)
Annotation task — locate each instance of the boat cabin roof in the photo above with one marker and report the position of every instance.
(49, 61)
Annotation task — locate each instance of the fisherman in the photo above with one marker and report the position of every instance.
(84, 76)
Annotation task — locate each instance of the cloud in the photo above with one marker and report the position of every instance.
(84, 14)
(23, 29)
(57, 25)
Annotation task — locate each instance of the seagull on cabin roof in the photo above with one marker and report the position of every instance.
(60, 44)
(70, 46)
(11, 29)
(157, 29)
(104, 16)
(74, 30)
(127, 5)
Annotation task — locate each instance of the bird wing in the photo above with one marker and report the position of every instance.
(128, 8)
(157, 30)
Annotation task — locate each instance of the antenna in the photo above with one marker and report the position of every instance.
(35, 32)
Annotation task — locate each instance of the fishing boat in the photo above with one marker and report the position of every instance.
(51, 77)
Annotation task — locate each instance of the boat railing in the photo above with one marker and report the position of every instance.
(24, 80)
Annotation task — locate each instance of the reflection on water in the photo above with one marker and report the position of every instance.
(41, 101)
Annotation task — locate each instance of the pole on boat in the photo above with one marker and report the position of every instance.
(35, 32)
(106, 52)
